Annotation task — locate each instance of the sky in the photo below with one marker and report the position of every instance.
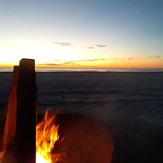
(82, 33)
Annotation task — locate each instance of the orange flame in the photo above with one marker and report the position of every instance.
(46, 136)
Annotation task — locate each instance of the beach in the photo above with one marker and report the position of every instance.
(130, 103)
(133, 93)
(136, 94)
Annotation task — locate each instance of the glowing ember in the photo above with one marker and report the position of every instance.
(46, 136)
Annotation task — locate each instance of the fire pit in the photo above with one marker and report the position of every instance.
(79, 139)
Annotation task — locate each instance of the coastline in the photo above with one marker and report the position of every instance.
(90, 70)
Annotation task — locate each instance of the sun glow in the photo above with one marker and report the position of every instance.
(49, 55)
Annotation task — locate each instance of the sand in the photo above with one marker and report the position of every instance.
(137, 94)
(129, 104)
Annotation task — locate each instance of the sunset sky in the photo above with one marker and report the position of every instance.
(82, 33)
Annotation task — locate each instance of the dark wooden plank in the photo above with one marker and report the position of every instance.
(25, 137)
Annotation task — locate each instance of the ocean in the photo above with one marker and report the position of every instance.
(90, 70)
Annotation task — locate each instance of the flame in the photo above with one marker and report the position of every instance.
(46, 136)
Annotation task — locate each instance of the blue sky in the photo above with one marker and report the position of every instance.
(96, 32)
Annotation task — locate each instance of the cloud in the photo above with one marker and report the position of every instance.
(149, 57)
(157, 56)
(62, 43)
(56, 62)
(76, 62)
(92, 60)
(90, 47)
(96, 46)
(82, 60)
(60, 64)
(52, 64)
(101, 45)
(122, 59)
(71, 44)
(49, 64)
(130, 58)
(70, 63)
(153, 57)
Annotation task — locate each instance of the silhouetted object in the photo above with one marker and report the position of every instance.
(23, 148)
(10, 123)
(26, 115)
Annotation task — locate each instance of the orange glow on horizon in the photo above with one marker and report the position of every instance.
(110, 64)
(99, 64)
(7, 65)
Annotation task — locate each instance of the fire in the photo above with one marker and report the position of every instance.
(46, 136)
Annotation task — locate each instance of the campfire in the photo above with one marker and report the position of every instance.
(76, 139)
(46, 136)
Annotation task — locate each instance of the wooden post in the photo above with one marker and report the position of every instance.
(25, 137)
(21, 115)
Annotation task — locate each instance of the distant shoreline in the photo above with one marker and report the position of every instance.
(91, 70)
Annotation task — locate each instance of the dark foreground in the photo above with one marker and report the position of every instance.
(127, 104)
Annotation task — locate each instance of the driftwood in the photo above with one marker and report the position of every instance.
(21, 118)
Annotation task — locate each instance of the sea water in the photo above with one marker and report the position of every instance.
(90, 70)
